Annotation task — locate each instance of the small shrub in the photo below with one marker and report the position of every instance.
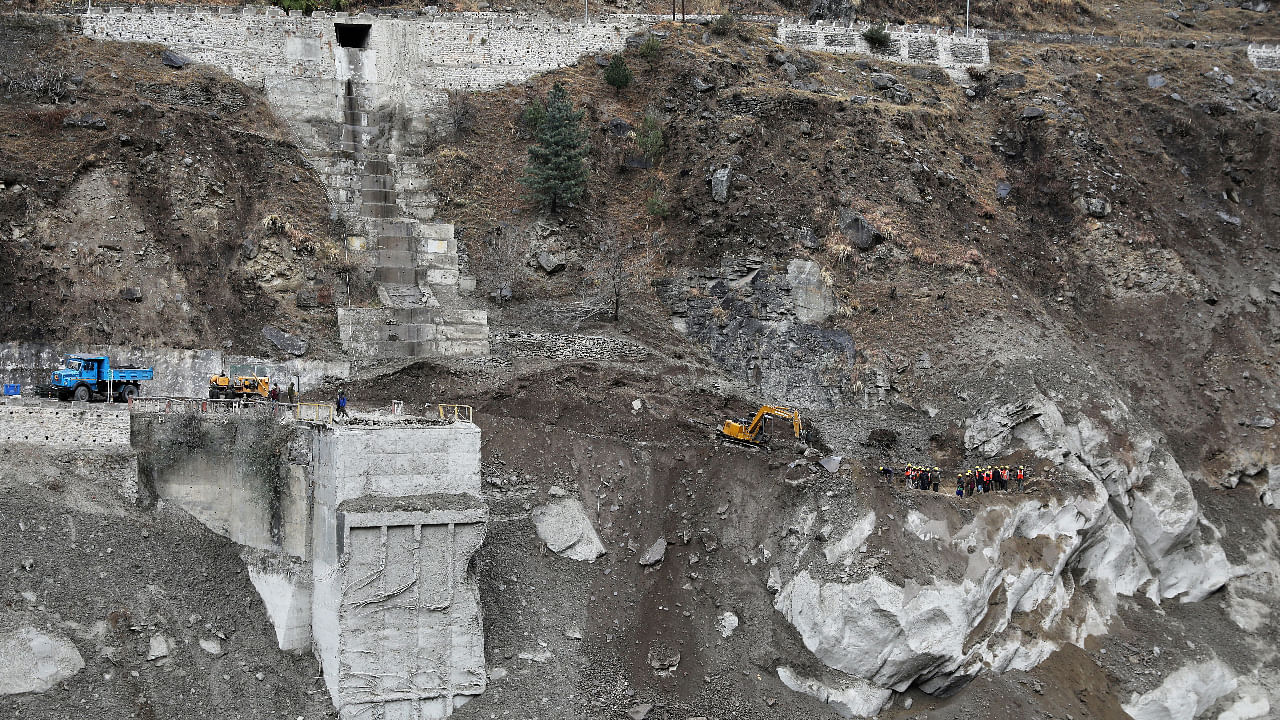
(651, 48)
(877, 37)
(649, 140)
(462, 112)
(657, 205)
(617, 74)
(723, 24)
(533, 116)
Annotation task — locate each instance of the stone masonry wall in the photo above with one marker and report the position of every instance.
(914, 45)
(68, 424)
(1264, 57)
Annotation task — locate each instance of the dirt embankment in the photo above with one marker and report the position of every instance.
(160, 609)
(150, 205)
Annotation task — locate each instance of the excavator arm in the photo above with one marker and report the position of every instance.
(750, 432)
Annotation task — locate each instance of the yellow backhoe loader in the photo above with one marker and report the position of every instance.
(241, 386)
(753, 433)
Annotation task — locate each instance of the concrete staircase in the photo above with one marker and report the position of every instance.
(378, 175)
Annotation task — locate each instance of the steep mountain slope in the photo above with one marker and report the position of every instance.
(150, 205)
(1066, 263)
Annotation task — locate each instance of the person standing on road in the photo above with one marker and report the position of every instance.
(274, 394)
(293, 395)
(342, 403)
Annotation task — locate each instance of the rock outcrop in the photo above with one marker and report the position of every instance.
(1021, 577)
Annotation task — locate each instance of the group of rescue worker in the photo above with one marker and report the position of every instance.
(977, 479)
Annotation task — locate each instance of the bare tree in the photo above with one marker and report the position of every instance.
(509, 245)
(620, 270)
(461, 113)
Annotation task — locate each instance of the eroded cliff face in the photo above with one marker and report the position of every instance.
(946, 588)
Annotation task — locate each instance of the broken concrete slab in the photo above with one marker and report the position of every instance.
(32, 660)
(567, 531)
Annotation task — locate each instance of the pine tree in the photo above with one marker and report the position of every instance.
(556, 174)
(617, 74)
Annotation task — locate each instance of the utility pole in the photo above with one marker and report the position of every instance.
(586, 11)
(967, 33)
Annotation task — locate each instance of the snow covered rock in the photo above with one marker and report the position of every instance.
(1185, 694)
(850, 697)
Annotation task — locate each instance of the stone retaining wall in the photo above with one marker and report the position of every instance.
(71, 425)
(1264, 57)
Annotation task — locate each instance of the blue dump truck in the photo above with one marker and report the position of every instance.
(83, 376)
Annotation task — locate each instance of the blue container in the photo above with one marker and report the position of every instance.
(12, 389)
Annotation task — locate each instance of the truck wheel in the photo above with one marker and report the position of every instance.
(213, 394)
(82, 393)
(129, 392)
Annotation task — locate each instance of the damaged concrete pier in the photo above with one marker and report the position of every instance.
(358, 539)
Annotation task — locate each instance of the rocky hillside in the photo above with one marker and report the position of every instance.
(1065, 262)
(152, 205)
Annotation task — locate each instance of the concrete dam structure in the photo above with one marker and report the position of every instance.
(358, 539)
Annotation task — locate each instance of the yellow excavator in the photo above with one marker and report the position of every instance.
(241, 386)
(752, 434)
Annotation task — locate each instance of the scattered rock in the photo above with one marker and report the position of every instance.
(1262, 422)
(727, 623)
(1229, 219)
(639, 712)
(883, 81)
(655, 553)
(1011, 81)
(720, 181)
(1031, 112)
(1155, 81)
(159, 646)
(859, 231)
(132, 294)
(549, 263)
(701, 85)
(813, 298)
(1094, 207)
(308, 298)
(664, 660)
(284, 341)
(808, 238)
(85, 121)
(831, 463)
(213, 646)
(174, 60)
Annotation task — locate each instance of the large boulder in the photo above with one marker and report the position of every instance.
(564, 526)
(32, 660)
(285, 342)
(860, 232)
(720, 182)
(810, 294)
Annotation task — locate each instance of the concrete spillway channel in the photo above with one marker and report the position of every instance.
(415, 260)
